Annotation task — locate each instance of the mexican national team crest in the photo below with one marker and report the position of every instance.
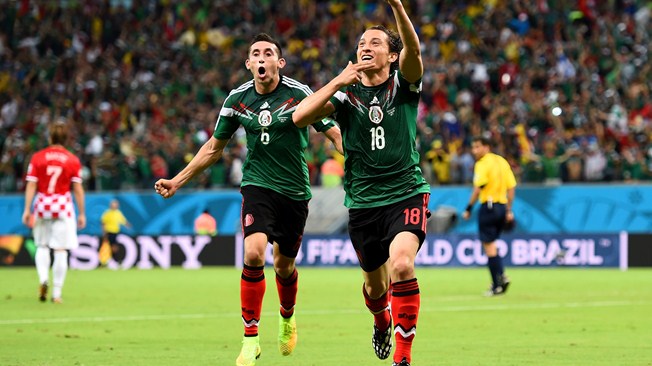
(249, 220)
(265, 116)
(375, 112)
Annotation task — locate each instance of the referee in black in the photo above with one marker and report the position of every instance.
(493, 184)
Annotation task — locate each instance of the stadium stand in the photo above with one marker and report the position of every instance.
(562, 87)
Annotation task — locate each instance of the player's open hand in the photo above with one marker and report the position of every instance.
(81, 221)
(27, 219)
(509, 217)
(466, 215)
(165, 187)
(352, 74)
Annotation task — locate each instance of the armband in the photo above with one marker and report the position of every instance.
(469, 208)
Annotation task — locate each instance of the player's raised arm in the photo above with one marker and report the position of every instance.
(207, 155)
(317, 106)
(410, 62)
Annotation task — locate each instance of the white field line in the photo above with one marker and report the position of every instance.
(429, 309)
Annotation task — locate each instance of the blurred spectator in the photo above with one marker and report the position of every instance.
(205, 224)
(233, 166)
(573, 166)
(440, 161)
(634, 168)
(332, 172)
(463, 163)
(594, 164)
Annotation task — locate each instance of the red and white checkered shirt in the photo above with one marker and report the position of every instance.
(54, 169)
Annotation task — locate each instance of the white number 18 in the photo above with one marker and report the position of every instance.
(377, 138)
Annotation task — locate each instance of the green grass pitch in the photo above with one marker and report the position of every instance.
(550, 316)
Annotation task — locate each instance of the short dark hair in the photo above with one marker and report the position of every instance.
(58, 133)
(264, 37)
(394, 41)
(482, 139)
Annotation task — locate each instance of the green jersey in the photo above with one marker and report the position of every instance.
(379, 127)
(275, 145)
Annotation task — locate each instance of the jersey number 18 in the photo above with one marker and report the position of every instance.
(377, 138)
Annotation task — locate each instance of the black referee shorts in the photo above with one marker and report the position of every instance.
(112, 238)
(491, 221)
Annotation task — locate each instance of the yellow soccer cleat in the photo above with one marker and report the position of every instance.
(287, 334)
(250, 352)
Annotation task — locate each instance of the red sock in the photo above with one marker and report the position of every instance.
(379, 308)
(405, 313)
(287, 292)
(252, 290)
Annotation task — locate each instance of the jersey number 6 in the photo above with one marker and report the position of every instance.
(264, 136)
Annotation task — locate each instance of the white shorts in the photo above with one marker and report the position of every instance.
(56, 234)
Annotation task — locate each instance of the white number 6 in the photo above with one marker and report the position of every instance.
(264, 136)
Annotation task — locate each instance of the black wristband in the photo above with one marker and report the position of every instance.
(469, 208)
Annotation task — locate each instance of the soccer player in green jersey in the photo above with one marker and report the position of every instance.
(375, 103)
(275, 186)
(493, 185)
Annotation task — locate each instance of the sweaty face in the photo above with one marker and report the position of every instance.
(263, 62)
(374, 46)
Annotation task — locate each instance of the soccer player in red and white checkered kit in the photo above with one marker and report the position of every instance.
(375, 102)
(53, 177)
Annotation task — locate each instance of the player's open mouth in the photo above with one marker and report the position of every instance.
(366, 57)
(261, 72)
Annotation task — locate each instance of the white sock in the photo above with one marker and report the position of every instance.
(59, 270)
(42, 260)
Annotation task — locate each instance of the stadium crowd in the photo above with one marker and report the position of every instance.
(561, 87)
